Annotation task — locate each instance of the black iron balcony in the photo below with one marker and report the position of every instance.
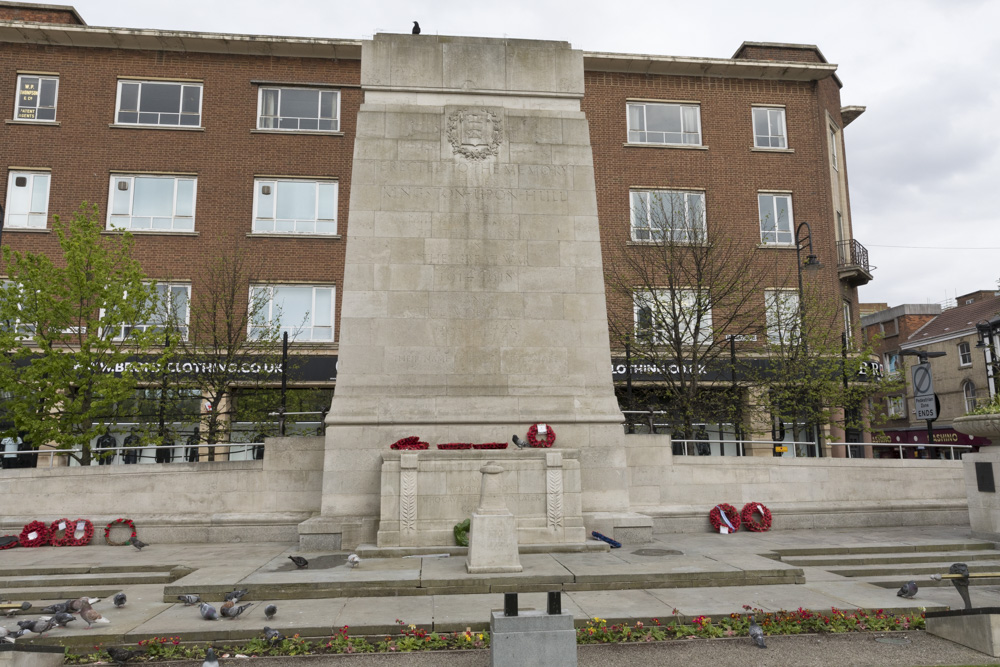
(852, 263)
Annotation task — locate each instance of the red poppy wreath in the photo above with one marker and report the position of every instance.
(752, 524)
(79, 533)
(125, 522)
(34, 534)
(725, 516)
(549, 436)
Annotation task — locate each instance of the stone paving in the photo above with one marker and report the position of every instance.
(211, 569)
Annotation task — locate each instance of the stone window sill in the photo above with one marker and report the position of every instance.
(683, 147)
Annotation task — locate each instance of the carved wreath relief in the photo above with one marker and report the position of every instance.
(475, 133)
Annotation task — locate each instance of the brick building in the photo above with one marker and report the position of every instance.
(203, 143)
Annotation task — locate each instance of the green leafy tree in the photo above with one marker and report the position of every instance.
(70, 333)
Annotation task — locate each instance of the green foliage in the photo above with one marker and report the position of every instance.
(64, 356)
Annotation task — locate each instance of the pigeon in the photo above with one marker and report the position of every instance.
(757, 633)
(236, 595)
(521, 444)
(9, 637)
(208, 612)
(907, 590)
(353, 560)
(272, 635)
(62, 618)
(269, 612)
(137, 543)
(416, 28)
(90, 615)
(299, 561)
(189, 600)
(210, 659)
(119, 600)
(78, 604)
(57, 608)
(233, 611)
(121, 655)
(39, 626)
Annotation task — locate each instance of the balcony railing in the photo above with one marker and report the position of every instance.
(852, 262)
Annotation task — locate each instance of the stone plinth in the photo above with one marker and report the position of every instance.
(424, 494)
(984, 505)
(493, 536)
(532, 638)
(983, 426)
(979, 629)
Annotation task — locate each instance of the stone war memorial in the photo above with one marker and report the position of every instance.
(473, 303)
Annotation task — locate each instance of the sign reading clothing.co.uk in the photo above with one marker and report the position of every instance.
(311, 368)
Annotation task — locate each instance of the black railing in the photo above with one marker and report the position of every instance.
(852, 253)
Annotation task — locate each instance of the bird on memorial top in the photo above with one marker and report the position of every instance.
(757, 633)
(299, 561)
(119, 600)
(416, 28)
(269, 612)
(210, 659)
(137, 543)
(189, 600)
(907, 590)
(353, 560)
(208, 612)
(521, 444)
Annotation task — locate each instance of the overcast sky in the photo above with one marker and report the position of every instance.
(923, 161)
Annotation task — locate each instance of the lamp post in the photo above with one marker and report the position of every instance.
(987, 329)
(811, 263)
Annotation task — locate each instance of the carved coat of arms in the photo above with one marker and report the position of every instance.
(475, 133)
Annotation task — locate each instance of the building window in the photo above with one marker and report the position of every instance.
(304, 311)
(152, 203)
(775, 218)
(781, 307)
(663, 316)
(171, 312)
(309, 109)
(897, 407)
(36, 98)
(27, 199)
(969, 392)
(964, 354)
(891, 363)
(669, 215)
(848, 329)
(769, 127)
(295, 206)
(160, 103)
(659, 123)
(833, 148)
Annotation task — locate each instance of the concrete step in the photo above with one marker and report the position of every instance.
(103, 580)
(42, 597)
(904, 570)
(885, 548)
(892, 558)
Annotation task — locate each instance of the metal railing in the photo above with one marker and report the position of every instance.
(233, 451)
(852, 253)
(900, 447)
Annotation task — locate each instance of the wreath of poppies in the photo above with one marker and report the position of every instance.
(490, 445)
(409, 442)
(752, 524)
(124, 522)
(455, 445)
(60, 526)
(88, 533)
(8, 541)
(39, 530)
(726, 515)
(550, 436)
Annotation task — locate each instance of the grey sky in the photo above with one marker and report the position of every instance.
(923, 161)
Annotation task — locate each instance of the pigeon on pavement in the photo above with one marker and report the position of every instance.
(299, 561)
(121, 655)
(210, 659)
(236, 595)
(91, 615)
(137, 543)
(78, 604)
(62, 618)
(272, 635)
(353, 560)
(9, 637)
(269, 612)
(119, 600)
(416, 28)
(757, 633)
(233, 611)
(56, 608)
(39, 626)
(907, 590)
(189, 600)
(208, 612)
(521, 444)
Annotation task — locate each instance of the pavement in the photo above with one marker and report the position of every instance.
(683, 575)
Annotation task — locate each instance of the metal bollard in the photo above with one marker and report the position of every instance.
(555, 603)
(510, 604)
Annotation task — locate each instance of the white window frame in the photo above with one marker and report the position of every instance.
(782, 315)
(969, 396)
(303, 333)
(644, 227)
(272, 122)
(834, 134)
(775, 236)
(33, 219)
(178, 222)
(294, 226)
(848, 325)
(774, 141)
(660, 307)
(895, 407)
(690, 136)
(29, 114)
(179, 113)
(122, 332)
(964, 354)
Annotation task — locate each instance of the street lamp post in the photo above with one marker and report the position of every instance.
(987, 330)
(812, 263)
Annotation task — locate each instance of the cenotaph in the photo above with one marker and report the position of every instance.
(473, 295)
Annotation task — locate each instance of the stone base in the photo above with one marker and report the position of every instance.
(493, 544)
(323, 533)
(532, 638)
(624, 527)
(979, 629)
(26, 655)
